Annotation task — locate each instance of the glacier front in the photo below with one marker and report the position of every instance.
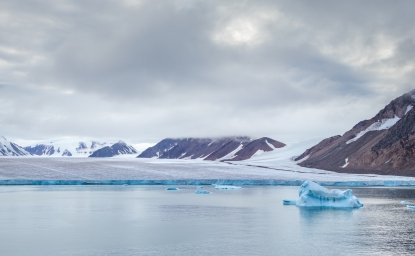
(312, 194)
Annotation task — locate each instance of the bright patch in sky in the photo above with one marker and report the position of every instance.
(237, 32)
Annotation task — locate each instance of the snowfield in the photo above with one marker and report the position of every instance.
(269, 168)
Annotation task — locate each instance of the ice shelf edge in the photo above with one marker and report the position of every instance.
(200, 182)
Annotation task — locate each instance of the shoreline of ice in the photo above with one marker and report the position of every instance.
(208, 182)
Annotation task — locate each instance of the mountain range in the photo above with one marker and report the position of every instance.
(383, 144)
(67, 148)
(225, 148)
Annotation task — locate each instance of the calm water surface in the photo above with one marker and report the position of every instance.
(141, 220)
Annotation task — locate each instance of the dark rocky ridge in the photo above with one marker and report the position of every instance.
(119, 148)
(42, 149)
(387, 151)
(262, 144)
(227, 148)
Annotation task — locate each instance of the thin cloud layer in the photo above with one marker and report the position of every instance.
(143, 70)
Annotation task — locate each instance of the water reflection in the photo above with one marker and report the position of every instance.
(309, 214)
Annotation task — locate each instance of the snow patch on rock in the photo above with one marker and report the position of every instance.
(346, 163)
(383, 124)
(232, 154)
(409, 108)
(303, 159)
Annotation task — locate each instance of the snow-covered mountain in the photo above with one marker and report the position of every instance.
(66, 147)
(384, 144)
(226, 148)
(8, 148)
(119, 148)
(76, 147)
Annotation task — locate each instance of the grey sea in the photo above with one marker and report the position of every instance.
(149, 220)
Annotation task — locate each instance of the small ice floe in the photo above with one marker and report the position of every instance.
(225, 187)
(312, 194)
(172, 189)
(410, 206)
(289, 202)
(201, 191)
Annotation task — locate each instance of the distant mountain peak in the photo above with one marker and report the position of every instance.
(8, 148)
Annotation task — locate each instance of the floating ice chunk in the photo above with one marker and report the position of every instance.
(201, 191)
(289, 202)
(226, 187)
(313, 195)
(411, 206)
(172, 189)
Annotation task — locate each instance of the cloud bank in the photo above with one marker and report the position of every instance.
(144, 70)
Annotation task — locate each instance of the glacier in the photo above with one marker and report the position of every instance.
(273, 168)
(312, 194)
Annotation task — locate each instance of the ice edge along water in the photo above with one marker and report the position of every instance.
(214, 182)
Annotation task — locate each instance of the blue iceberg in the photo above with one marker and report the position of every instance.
(312, 194)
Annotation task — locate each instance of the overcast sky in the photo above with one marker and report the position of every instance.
(144, 70)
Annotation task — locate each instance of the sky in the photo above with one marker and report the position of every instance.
(143, 70)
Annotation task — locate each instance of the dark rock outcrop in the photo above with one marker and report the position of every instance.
(226, 148)
(41, 150)
(66, 153)
(384, 144)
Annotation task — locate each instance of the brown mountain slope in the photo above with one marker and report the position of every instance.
(384, 144)
(226, 148)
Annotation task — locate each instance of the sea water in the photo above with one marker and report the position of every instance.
(150, 220)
